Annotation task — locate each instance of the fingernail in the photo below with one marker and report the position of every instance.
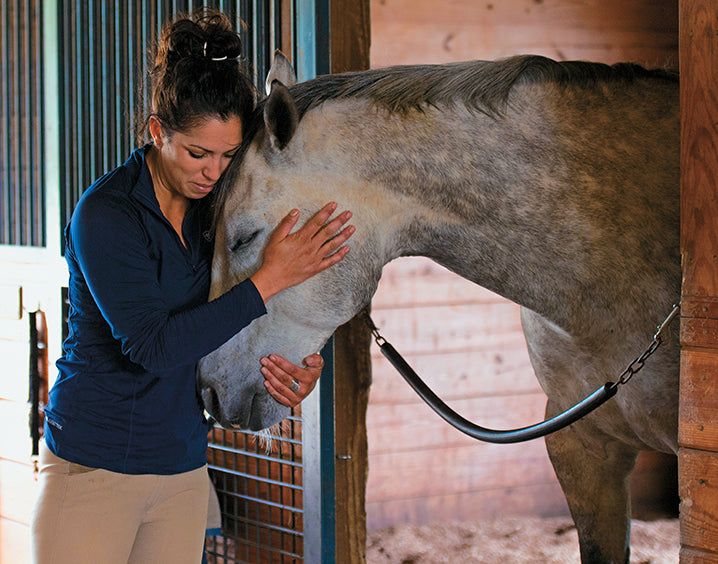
(294, 213)
(263, 361)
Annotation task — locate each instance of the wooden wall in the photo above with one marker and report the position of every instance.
(464, 340)
(698, 425)
(29, 280)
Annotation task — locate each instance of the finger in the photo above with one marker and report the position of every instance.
(314, 361)
(318, 220)
(280, 378)
(286, 225)
(283, 375)
(281, 398)
(332, 228)
(287, 371)
(332, 259)
(337, 241)
(274, 382)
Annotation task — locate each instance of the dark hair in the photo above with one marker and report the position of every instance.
(197, 72)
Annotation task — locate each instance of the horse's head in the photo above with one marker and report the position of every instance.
(276, 173)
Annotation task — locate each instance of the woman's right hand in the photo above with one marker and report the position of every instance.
(291, 258)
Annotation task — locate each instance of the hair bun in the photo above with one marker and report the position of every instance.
(205, 35)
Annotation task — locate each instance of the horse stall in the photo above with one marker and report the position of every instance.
(453, 331)
(466, 341)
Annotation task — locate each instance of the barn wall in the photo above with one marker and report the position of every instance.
(466, 341)
(698, 425)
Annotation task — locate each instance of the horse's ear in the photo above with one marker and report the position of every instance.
(281, 71)
(280, 116)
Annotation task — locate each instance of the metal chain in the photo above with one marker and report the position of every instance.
(635, 366)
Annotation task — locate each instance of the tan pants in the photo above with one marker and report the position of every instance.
(94, 516)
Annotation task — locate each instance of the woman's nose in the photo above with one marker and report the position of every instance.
(213, 170)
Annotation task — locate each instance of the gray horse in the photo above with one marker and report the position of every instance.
(553, 184)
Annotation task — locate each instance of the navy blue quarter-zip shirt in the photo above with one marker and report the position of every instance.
(125, 398)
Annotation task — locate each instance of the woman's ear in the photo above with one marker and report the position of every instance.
(156, 131)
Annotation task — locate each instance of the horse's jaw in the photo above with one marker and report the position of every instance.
(230, 381)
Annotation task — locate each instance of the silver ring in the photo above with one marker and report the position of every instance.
(294, 386)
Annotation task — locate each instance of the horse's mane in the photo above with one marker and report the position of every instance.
(480, 85)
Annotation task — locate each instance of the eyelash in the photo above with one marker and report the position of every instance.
(198, 156)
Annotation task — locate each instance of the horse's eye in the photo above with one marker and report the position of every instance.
(240, 242)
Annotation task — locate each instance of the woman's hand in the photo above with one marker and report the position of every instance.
(291, 258)
(288, 383)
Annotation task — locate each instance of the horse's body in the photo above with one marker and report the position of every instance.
(554, 185)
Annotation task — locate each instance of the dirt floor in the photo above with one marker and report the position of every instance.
(512, 540)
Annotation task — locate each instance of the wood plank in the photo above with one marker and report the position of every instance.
(468, 374)
(545, 500)
(415, 32)
(454, 328)
(15, 442)
(17, 491)
(453, 470)
(699, 139)
(16, 366)
(698, 409)
(698, 490)
(693, 556)
(407, 427)
(350, 39)
(699, 249)
(14, 541)
(418, 281)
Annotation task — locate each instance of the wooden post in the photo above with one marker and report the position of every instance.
(698, 416)
(349, 48)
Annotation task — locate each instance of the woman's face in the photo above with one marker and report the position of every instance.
(189, 163)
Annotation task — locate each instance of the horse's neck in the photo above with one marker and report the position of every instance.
(487, 214)
(529, 215)
(539, 205)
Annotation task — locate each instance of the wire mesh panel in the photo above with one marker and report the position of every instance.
(259, 484)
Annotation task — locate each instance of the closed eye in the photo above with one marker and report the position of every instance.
(243, 242)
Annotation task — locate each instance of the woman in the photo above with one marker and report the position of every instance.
(123, 476)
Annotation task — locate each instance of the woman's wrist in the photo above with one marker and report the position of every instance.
(264, 284)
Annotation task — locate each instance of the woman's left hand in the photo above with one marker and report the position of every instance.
(288, 383)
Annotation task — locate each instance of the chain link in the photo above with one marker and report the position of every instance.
(635, 366)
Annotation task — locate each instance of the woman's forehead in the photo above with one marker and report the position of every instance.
(214, 134)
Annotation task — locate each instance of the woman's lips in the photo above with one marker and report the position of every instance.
(204, 188)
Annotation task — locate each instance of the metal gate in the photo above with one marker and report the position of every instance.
(277, 497)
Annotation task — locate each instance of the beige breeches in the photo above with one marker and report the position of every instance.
(94, 516)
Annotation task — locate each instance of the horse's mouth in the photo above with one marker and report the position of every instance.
(212, 405)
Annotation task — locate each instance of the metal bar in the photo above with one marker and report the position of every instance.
(15, 131)
(4, 116)
(38, 137)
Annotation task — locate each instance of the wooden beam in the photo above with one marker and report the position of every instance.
(698, 433)
(350, 39)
